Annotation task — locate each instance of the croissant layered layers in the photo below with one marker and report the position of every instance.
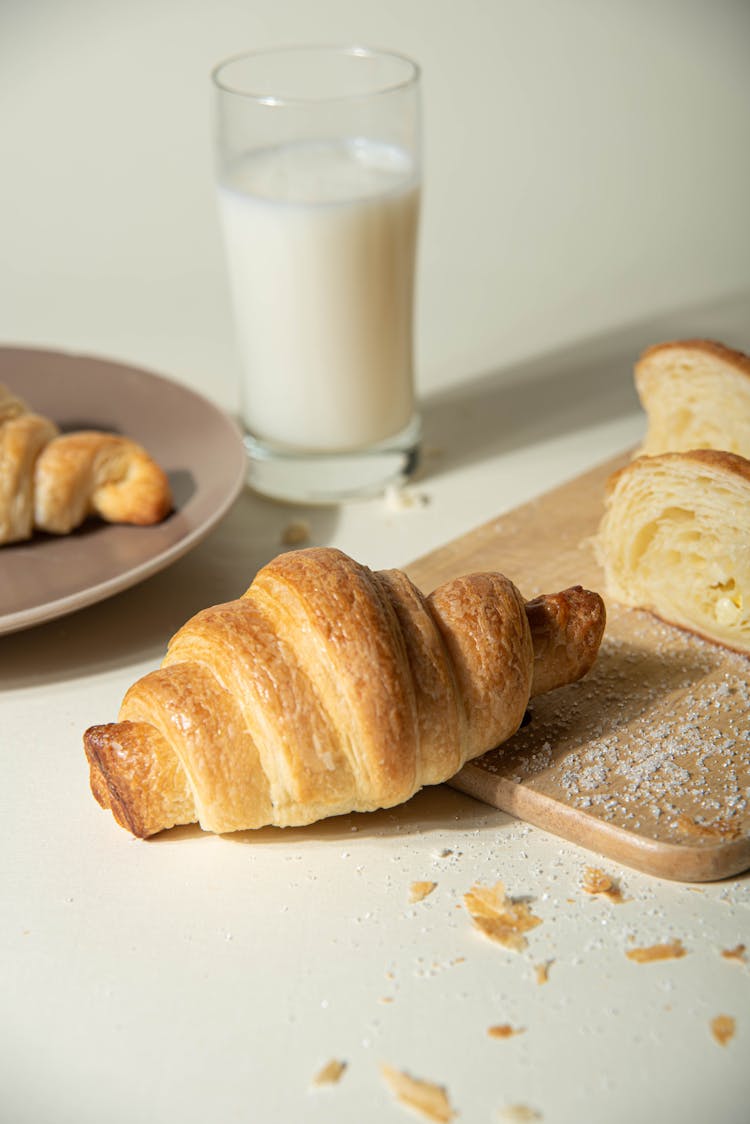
(675, 539)
(329, 688)
(696, 394)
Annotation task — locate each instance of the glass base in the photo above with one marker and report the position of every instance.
(321, 477)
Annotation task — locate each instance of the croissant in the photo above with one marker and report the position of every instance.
(675, 539)
(329, 688)
(52, 481)
(696, 394)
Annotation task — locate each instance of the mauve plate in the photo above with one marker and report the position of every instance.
(197, 444)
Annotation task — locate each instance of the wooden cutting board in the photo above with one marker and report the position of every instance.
(646, 760)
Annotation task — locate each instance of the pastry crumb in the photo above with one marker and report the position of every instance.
(330, 1074)
(717, 830)
(737, 953)
(723, 1028)
(425, 1097)
(519, 1114)
(672, 950)
(542, 971)
(502, 919)
(504, 1030)
(420, 890)
(295, 533)
(595, 881)
(398, 498)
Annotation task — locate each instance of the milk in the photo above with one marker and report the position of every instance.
(320, 242)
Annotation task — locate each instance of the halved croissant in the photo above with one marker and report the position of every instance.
(52, 481)
(329, 688)
(696, 394)
(675, 539)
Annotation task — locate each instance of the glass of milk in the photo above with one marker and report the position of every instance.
(318, 173)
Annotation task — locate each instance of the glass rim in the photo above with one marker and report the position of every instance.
(353, 49)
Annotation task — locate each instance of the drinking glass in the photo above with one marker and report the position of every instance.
(318, 177)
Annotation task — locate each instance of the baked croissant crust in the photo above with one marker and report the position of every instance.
(52, 482)
(329, 688)
(675, 539)
(696, 394)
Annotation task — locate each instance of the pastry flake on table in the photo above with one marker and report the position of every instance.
(504, 1030)
(500, 918)
(519, 1114)
(330, 1074)
(737, 954)
(418, 891)
(541, 971)
(52, 481)
(596, 882)
(723, 1028)
(329, 688)
(670, 950)
(425, 1097)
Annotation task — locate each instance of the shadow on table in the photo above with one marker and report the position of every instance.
(435, 808)
(572, 388)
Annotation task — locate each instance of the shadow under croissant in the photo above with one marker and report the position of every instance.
(627, 680)
(435, 808)
(440, 807)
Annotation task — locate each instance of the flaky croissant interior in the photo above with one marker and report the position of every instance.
(675, 539)
(329, 688)
(696, 394)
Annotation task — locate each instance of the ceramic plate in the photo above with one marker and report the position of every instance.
(197, 444)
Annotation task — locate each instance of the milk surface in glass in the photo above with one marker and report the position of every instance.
(321, 241)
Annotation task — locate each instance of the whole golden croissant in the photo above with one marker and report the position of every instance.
(329, 688)
(52, 481)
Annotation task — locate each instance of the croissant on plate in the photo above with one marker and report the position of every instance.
(675, 539)
(329, 688)
(696, 394)
(51, 481)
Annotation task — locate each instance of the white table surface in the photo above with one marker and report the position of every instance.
(199, 978)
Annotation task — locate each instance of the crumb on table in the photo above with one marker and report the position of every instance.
(501, 919)
(331, 1073)
(426, 1097)
(420, 890)
(723, 1028)
(671, 950)
(296, 533)
(595, 881)
(504, 1030)
(738, 953)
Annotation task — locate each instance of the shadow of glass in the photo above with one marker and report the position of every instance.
(573, 388)
(136, 624)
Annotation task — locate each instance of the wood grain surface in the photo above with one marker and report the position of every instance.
(647, 760)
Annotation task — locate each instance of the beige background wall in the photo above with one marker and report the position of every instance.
(587, 166)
